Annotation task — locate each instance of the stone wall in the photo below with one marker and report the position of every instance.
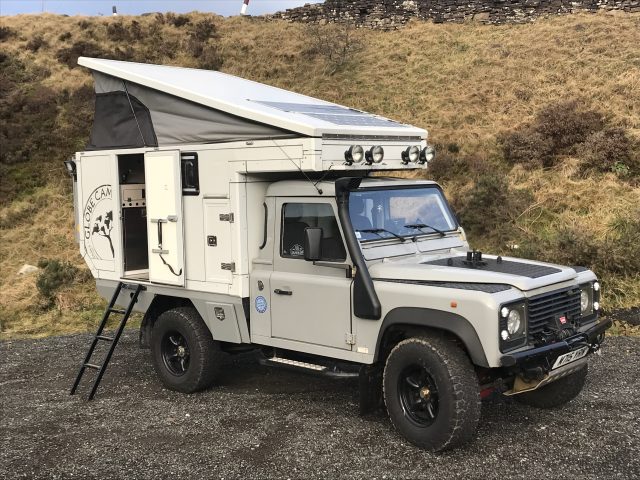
(390, 14)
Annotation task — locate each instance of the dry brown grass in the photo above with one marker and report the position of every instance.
(464, 83)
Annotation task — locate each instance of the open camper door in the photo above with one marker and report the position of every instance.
(164, 217)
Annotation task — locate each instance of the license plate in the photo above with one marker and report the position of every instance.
(570, 357)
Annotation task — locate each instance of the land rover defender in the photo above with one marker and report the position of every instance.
(237, 217)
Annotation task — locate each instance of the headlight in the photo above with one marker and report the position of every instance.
(411, 154)
(427, 154)
(355, 154)
(375, 154)
(586, 299)
(512, 325)
(513, 322)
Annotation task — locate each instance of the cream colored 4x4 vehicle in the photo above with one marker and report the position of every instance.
(238, 216)
(437, 324)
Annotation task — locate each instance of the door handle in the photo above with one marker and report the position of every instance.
(283, 292)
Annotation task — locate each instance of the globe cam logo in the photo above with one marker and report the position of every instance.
(97, 224)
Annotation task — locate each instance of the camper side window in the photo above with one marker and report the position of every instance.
(298, 216)
(190, 178)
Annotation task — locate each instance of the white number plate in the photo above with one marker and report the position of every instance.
(570, 357)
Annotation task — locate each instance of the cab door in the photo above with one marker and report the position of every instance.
(164, 217)
(311, 303)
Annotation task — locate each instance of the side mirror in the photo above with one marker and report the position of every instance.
(312, 244)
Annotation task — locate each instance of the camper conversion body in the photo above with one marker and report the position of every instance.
(240, 216)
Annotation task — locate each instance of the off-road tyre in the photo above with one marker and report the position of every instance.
(453, 381)
(555, 394)
(204, 353)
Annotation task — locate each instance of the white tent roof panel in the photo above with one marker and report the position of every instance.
(252, 100)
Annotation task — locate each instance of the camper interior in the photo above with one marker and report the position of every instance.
(134, 213)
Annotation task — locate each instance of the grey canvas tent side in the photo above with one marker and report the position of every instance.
(128, 115)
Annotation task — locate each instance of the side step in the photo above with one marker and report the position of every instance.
(333, 371)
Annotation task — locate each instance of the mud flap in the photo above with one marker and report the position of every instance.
(370, 386)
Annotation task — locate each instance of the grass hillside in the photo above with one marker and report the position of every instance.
(537, 125)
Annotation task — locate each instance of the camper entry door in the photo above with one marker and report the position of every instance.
(164, 217)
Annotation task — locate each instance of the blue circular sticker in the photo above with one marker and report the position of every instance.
(261, 304)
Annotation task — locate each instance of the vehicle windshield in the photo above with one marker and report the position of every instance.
(399, 212)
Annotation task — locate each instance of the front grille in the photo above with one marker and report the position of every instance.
(544, 309)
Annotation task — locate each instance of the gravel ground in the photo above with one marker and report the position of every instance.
(266, 423)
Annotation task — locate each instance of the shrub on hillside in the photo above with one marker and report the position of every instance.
(490, 208)
(557, 130)
(36, 43)
(82, 48)
(63, 37)
(336, 44)
(527, 147)
(566, 124)
(27, 113)
(117, 31)
(202, 45)
(447, 166)
(5, 33)
(210, 58)
(204, 30)
(177, 20)
(54, 275)
(609, 150)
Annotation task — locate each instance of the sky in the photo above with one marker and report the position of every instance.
(135, 7)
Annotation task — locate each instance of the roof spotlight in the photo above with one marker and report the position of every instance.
(411, 154)
(374, 155)
(354, 154)
(427, 154)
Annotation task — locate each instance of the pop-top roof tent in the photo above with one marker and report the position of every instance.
(140, 105)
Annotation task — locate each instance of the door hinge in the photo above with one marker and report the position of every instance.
(228, 266)
(226, 217)
(349, 338)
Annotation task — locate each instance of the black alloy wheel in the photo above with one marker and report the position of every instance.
(175, 353)
(185, 356)
(418, 395)
(431, 392)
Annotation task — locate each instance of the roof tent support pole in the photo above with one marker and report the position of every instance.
(124, 84)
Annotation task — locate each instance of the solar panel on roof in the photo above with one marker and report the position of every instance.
(308, 107)
(333, 114)
(357, 120)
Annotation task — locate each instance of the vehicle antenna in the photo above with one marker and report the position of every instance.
(319, 190)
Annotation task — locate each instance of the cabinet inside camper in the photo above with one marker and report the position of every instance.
(134, 215)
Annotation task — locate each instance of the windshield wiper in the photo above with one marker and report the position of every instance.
(377, 231)
(420, 226)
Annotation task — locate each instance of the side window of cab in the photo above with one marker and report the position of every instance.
(296, 217)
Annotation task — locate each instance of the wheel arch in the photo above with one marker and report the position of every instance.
(159, 305)
(402, 322)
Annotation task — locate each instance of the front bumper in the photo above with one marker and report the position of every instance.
(538, 361)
